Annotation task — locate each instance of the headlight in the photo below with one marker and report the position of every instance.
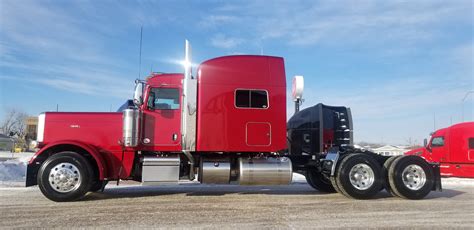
(34, 144)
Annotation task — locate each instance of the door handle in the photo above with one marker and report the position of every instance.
(175, 136)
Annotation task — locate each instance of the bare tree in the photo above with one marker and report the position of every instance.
(412, 143)
(14, 123)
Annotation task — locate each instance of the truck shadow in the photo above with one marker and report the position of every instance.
(298, 189)
(201, 190)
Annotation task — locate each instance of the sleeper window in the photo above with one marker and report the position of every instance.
(242, 98)
(251, 99)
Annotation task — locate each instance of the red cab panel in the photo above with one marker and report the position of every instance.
(258, 134)
(236, 91)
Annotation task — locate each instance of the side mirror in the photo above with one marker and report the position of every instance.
(425, 142)
(138, 94)
(297, 88)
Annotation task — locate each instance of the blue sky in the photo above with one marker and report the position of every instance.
(397, 64)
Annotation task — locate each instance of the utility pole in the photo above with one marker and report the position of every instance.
(463, 99)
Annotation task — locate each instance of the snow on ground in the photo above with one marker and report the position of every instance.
(13, 168)
(23, 156)
(298, 178)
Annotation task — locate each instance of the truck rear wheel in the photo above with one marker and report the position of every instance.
(316, 180)
(65, 176)
(385, 169)
(359, 176)
(335, 185)
(333, 178)
(410, 177)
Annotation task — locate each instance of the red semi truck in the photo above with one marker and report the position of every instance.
(228, 125)
(452, 148)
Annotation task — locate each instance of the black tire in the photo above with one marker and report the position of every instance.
(318, 181)
(333, 178)
(335, 185)
(385, 169)
(84, 172)
(369, 169)
(413, 164)
(97, 186)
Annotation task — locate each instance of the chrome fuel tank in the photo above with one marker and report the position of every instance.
(265, 171)
(214, 171)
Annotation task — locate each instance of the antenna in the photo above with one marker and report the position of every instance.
(140, 56)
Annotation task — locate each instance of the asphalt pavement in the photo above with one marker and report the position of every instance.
(196, 206)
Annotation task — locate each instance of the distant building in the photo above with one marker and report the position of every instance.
(31, 127)
(390, 150)
(6, 143)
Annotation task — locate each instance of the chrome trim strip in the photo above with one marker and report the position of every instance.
(40, 128)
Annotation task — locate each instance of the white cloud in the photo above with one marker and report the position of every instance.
(44, 44)
(350, 22)
(464, 55)
(225, 42)
(213, 21)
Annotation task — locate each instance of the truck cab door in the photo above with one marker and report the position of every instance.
(162, 119)
(439, 150)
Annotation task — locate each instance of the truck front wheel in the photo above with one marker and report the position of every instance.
(318, 181)
(359, 176)
(410, 177)
(65, 176)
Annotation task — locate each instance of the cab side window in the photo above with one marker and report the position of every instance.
(471, 143)
(163, 99)
(437, 142)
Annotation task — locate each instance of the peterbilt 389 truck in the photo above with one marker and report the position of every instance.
(226, 124)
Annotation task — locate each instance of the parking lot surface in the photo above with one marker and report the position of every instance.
(193, 205)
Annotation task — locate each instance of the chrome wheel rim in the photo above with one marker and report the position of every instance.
(361, 176)
(64, 177)
(414, 177)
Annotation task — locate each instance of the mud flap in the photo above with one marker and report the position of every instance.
(437, 177)
(31, 173)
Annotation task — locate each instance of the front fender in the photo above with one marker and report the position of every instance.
(35, 163)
